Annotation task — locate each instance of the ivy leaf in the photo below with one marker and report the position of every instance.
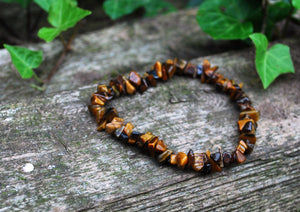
(45, 4)
(24, 59)
(118, 8)
(296, 4)
(273, 62)
(227, 19)
(62, 16)
(23, 3)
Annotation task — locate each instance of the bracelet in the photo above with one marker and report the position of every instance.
(108, 120)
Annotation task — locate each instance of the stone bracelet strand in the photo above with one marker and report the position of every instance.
(108, 120)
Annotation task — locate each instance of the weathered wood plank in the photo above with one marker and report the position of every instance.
(78, 168)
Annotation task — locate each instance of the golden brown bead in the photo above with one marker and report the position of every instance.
(173, 159)
(135, 79)
(144, 139)
(242, 123)
(160, 147)
(182, 160)
(254, 114)
(100, 115)
(102, 89)
(102, 125)
(240, 157)
(96, 99)
(199, 160)
(128, 128)
(158, 68)
(130, 89)
(119, 84)
(180, 65)
(242, 147)
(191, 70)
(163, 157)
(152, 145)
(94, 108)
(170, 68)
(116, 123)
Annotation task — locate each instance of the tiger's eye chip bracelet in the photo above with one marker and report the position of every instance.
(107, 117)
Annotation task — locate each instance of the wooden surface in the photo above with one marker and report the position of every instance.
(77, 168)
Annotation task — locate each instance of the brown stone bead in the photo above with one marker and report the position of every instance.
(180, 65)
(227, 158)
(215, 166)
(152, 145)
(130, 89)
(102, 89)
(190, 70)
(170, 68)
(119, 83)
(163, 157)
(254, 114)
(110, 114)
(151, 80)
(244, 137)
(116, 123)
(135, 79)
(100, 115)
(242, 147)
(144, 85)
(199, 161)
(191, 158)
(101, 125)
(240, 157)
(95, 108)
(206, 64)
(128, 128)
(143, 140)
(134, 137)
(164, 73)
(96, 99)
(160, 147)
(115, 90)
(173, 159)
(158, 68)
(182, 160)
(250, 147)
(242, 123)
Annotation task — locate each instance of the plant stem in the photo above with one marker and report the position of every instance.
(67, 48)
(265, 4)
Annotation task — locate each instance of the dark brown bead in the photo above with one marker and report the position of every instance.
(227, 158)
(233, 157)
(160, 147)
(119, 83)
(151, 81)
(110, 114)
(254, 114)
(191, 70)
(94, 108)
(249, 128)
(182, 160)
(240, 157)
(144, 86)
(244, 137)
(164, 73)
(102, 125)
(216, 157)
(100, 115)
(199, 161)
(135, 79)
(191, 158)
(207, 169)
(250, 147)
(170, 68)
(215, 166)
(134, 137)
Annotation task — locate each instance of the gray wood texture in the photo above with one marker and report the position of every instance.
(77, 168)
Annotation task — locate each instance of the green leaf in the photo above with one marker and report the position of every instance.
(23, 3)
(227, 19)
(45, 4)
(24, 59)
(296, 4)
(273, 62)
(62, 16)
(118, 8)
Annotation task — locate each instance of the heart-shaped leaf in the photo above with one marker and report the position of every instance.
(24, 59)
(62, 16)
(296, 4)
(227, 19)
(118, 8)
(45, 4)
(273, 62)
